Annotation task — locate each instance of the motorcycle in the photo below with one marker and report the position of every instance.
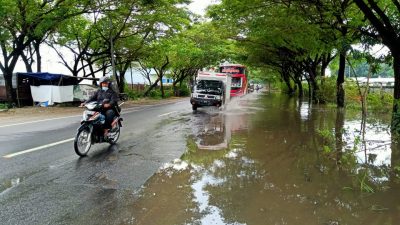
(91, 130)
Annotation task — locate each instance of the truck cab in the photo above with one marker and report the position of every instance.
(207, 93)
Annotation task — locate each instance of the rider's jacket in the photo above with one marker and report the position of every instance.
(100, 95)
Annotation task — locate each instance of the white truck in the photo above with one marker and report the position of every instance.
(211, 89)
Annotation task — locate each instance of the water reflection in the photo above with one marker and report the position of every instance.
(289, 163)
(213, 130)
(375, 147)
(213, 134)
(304, 109)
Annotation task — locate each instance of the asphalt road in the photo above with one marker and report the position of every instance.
(43, 181)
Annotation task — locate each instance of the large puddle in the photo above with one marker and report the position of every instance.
(277, 160)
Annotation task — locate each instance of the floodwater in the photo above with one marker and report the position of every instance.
(270, 159)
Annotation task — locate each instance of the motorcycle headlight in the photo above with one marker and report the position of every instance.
(91, 105)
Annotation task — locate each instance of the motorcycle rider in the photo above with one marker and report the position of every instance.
(109, 100)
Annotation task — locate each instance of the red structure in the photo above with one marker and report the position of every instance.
(239, 78)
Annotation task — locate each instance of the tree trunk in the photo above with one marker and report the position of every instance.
(179, 79)
(8, 69)
(300, 86)
(162, 88)
(161, 75)
(11, 95)
(151, 87)
(175, 89)
(340, 93)
(396, 102)
(314, 85)
(395, 161)
(309, 88)
(36, 44)
(314, 90)
(121, 82)
(122, 72)
(340, 114)
(287, 82)
(28, 65)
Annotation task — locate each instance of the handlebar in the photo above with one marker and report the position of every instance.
(82, 106)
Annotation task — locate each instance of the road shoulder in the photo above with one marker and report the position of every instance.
(35, 113)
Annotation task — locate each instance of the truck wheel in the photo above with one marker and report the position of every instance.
(194, 107)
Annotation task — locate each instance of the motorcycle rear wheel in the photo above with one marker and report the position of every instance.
(83, 142)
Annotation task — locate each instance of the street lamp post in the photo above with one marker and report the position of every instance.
(113, 69)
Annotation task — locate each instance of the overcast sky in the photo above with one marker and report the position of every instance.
(50, 61)
(199, 6)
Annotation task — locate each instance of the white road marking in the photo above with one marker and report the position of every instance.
(71, 139)
(166, 114)
(38, 121)
(135, 109)
(37, 148)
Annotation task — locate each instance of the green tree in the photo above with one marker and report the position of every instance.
(385, 27)
(197, 47)
(146, 23)
(278, 35)
(158, 58)
(77, 36)
(27, 21)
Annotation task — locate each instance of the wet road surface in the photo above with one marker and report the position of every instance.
(54, 186)
(266, 159)
(280, 166)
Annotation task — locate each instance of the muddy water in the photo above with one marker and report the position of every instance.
(268, 159)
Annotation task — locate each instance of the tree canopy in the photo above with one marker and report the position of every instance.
(296, 39)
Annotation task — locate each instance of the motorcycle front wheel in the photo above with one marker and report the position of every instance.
(114, 134)
(83, 141)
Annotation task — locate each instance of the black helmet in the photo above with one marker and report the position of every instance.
(104, 79)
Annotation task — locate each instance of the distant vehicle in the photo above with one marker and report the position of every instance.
(250, 88)
(239, 78)
(209, 90)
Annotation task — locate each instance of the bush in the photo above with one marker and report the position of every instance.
(352, 92)
(132, 94)
(183, 91)
(168, 93)
(284, 88)
(380, 101)
(376, 101)
(4, 106)
(327, 90)
(155, 94)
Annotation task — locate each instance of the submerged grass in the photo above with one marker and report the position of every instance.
(378, 101)
(362, 175)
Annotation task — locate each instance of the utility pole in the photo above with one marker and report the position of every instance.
(114, 72)
(112, 53)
